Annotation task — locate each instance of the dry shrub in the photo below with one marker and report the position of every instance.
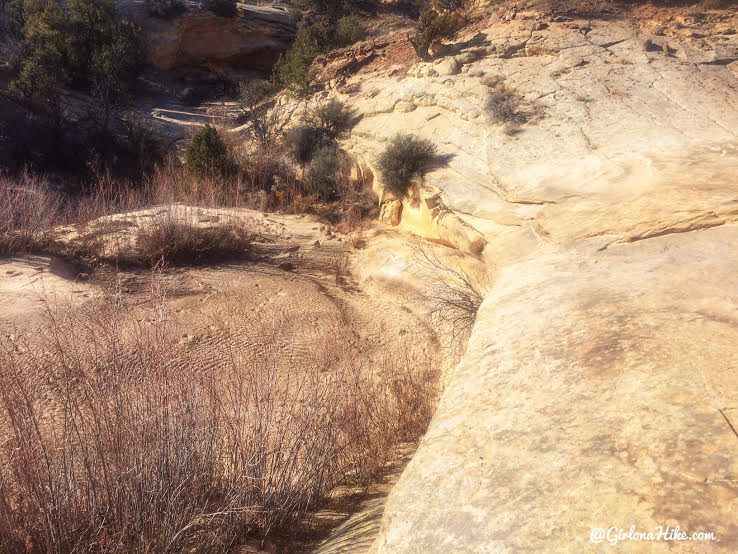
(174, 236)
(303, 141)
(453, 296)
(120, 437)
(105, 195)
(326, 174)
(502, 107)
(31, 210)
(262, 123)
(174, 240)
(265, 170)
(319, 130)
(507, 107)
(28, 211)
(169, 183)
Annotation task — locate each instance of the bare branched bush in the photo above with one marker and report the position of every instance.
(263, 123)
(118, 436)
(168, 184)
(453, 296)
(104, 194)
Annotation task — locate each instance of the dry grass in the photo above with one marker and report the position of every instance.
(503, 105)
(28, 210)
(172, 240)
(118, 436)
(31, 210)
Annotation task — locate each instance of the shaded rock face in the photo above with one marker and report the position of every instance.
(600, 383)
(201, 44)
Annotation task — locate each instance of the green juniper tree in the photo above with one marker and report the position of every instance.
(82, 45)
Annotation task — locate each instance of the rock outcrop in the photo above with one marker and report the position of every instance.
(198, 43)
(600, 384)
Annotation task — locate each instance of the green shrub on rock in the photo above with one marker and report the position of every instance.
(436, 23)
(303, 141)
(331, 118)
(323, 126)
(405, 158)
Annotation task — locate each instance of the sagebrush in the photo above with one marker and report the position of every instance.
(405, 158)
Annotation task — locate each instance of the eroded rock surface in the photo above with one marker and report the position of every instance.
(595, 392)
(600, 386)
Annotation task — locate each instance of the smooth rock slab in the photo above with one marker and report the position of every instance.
(594, 393)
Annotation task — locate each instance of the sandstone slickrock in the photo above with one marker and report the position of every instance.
(602, 372)
(589, 397)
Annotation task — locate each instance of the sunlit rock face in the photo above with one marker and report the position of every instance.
(595, 392)
(600, 384)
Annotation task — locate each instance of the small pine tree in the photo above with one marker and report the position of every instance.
(207, 155)
(293, 69)
(436, 23)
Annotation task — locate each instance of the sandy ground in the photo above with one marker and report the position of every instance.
(318, 282)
